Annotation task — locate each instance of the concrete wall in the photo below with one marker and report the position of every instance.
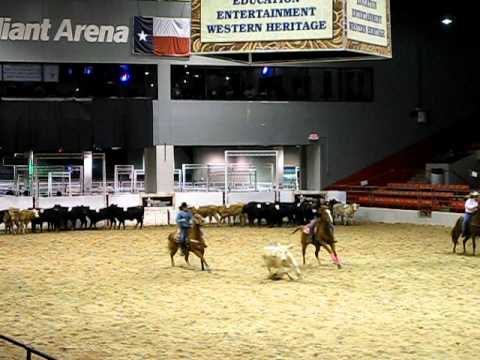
(313, 167)
(19, 202)
(199, 199)
(355, 135)
(125, 200)
(159, 169)
(94, 202)
(458, 172)
(462, 169)
(292, 156)
(244, 198)
(135, 158)
(395, 216)
(209, 155)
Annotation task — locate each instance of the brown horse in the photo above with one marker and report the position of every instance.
(196, 243)
(473, 232)
(324, 237)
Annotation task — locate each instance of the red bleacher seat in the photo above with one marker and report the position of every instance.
(410, 196)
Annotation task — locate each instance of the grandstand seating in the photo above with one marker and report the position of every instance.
(417, 196)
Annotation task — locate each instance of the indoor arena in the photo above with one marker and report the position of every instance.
(232, 179)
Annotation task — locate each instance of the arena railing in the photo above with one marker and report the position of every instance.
(30, 350)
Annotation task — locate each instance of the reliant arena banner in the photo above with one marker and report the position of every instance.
(13, 30)
(90, 31)
(266, 20)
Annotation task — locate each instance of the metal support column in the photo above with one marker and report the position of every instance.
(87, 172)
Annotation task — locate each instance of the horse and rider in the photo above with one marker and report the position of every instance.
(320, 233)
(184, 221)
(188, 237)
(468, 226)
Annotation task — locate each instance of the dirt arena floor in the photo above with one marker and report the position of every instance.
(113, 295)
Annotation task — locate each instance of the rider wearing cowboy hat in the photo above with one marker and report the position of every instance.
(184, 222)
(471, 207)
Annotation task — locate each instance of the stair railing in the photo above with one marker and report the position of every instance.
(30, 350)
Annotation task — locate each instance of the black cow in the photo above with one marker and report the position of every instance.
(40, 220)
(269, 212)
(132, 213)
(252, 211)
(2, 215)
(79, 213)
(259, 211)
(284, 211)
(105, 214)
(59, 217)
(56, 218)
(305, 212)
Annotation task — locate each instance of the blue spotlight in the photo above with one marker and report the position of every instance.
(125, 74)
(266, 71)
(124, 77)
(88, 70)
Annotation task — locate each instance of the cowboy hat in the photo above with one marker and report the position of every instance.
(474, 194)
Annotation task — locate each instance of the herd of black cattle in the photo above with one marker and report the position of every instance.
(64, 218)
(299, 213)
(82, 217)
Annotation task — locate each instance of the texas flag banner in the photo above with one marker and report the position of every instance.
(161, 36)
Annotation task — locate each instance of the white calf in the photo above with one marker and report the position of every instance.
(280, 262)
(345, 212)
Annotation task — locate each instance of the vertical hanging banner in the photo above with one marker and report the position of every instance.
(367, 21)
(368, 27)
(265, 31)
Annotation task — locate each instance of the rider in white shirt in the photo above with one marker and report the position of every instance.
(471, 207)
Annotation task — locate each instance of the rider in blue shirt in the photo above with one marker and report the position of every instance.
(184, 222)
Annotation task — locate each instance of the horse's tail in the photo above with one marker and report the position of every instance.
(297, 230)
(171, 238)
(457, 230)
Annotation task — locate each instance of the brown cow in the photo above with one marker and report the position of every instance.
(25, 218)
(231, 213)
(207, 212)
(10, 218)
(19, 219)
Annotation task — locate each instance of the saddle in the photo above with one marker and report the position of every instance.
(177, 239)
(311, 234)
